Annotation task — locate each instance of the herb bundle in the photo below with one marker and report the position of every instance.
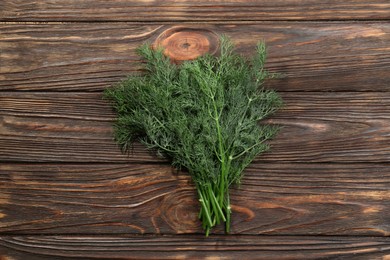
(203, 115)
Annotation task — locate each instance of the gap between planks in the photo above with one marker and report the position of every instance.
(216, 22)
(194, 247)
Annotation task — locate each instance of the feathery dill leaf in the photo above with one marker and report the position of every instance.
(203, 115)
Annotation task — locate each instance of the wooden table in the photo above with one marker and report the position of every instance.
(67, 191)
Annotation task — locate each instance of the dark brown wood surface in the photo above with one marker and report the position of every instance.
(273, 199)
(77, 127)
(66, 191)
(313, 56)
(194, 247)
(193, 10)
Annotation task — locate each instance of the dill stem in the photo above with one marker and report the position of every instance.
(217, 207)
(228, 212)
(221, 188)
(205, 207)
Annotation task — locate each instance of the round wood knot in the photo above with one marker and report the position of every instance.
(181, 43)
(179, 211)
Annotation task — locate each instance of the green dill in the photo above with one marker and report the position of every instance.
(203, 115)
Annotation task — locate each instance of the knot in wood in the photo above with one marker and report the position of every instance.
(181, 43)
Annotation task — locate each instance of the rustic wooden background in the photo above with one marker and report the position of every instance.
(67, 191)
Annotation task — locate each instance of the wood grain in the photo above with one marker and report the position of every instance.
(273, 199)
(192, 10)
(193, 247)
(66, 191)
(77, 127)
(90, 57)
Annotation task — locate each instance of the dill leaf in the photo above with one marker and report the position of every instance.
(203, 115)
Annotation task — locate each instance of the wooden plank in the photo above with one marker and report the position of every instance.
(273, 199)
(92, 56)
(192, 10)
(77, 127)
(193, 247)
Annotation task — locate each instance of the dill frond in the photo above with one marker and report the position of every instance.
(203, 115)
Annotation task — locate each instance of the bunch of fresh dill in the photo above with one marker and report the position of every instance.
(203, 115)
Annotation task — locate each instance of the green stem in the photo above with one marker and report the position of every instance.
(205, 207)
(221, 190)
(217, 206)
(228, 212)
